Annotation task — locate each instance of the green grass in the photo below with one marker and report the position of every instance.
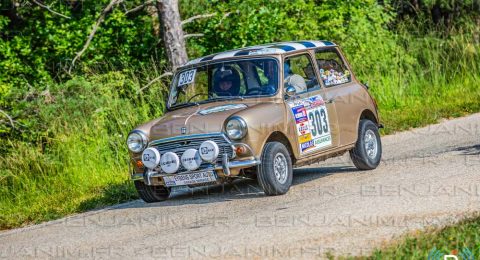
(79, 160)
(434, 79)
(452, 239)
(448, 240)
(445, 101)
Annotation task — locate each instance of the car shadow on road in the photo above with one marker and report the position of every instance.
(469, 150)
(239, 189)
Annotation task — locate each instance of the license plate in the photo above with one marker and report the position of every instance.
(190, 178)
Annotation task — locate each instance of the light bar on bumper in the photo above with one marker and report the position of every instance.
(230, 165)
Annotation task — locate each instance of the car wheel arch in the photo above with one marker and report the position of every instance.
(366, 114)
(278, 136)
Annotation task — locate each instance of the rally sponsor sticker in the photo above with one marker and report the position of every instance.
(312, 124)
(305, 138)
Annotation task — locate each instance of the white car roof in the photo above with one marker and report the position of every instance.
(270, 48)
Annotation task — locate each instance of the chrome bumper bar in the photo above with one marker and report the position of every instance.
(225, 166)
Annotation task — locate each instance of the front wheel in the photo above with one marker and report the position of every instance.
(275, 172)
(367, 153)
(151, 194)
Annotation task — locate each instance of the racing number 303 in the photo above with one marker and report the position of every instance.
(318, 118)
(186, 77)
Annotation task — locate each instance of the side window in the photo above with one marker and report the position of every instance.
(332, 69)
(299, 72)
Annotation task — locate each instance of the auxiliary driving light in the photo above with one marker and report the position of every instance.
(151, 158)
(191, 159)
(209, 151)
(169, 162)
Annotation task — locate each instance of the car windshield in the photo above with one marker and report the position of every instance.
(224, 80)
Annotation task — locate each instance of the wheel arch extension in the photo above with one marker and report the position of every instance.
(278, 136)
(368, 114)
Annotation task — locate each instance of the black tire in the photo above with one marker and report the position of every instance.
(152, 194)
(361, 158)
(267, 179)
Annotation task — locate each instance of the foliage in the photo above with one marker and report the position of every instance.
(356, 24)
(37, 48)
(80, 161)
(438, 15)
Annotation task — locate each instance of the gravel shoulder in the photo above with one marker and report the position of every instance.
(429, 176)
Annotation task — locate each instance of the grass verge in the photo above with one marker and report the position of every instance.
(461, 239)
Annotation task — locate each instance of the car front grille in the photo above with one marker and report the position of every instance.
(180, 144)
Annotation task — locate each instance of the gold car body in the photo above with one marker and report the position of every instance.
(268, 118)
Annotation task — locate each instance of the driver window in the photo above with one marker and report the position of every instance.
(299, 73)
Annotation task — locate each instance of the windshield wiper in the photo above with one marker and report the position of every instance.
(184, 105)
(205, 101)
(222, 98)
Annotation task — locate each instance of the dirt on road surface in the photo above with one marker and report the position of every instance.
(428, 176)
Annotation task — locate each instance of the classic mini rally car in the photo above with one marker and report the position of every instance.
(257, 112)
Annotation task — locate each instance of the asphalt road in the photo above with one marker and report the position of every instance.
(428, 176)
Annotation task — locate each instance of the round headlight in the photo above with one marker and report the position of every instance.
(137, 141)
(236, 128)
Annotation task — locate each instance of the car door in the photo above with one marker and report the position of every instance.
(313, 120)
(342, 90)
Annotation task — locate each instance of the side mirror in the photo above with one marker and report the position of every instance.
(291, 91)
(366, 85)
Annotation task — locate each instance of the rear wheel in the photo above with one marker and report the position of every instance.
(368, 150)
(151, 194)
(275, 172)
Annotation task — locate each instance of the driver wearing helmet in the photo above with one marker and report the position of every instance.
(295, 80)
(226, 82)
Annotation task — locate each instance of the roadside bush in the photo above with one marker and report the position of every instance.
(80, 153)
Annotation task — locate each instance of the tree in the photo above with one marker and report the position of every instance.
(172, 32)
(170, 27)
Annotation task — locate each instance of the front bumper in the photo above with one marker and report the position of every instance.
(225, 167)
(226, 160)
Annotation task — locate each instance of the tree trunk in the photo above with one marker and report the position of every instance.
(153, 13)
(172, 32)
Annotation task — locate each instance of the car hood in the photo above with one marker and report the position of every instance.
(205, 118)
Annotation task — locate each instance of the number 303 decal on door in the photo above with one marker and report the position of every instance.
(311, 120)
